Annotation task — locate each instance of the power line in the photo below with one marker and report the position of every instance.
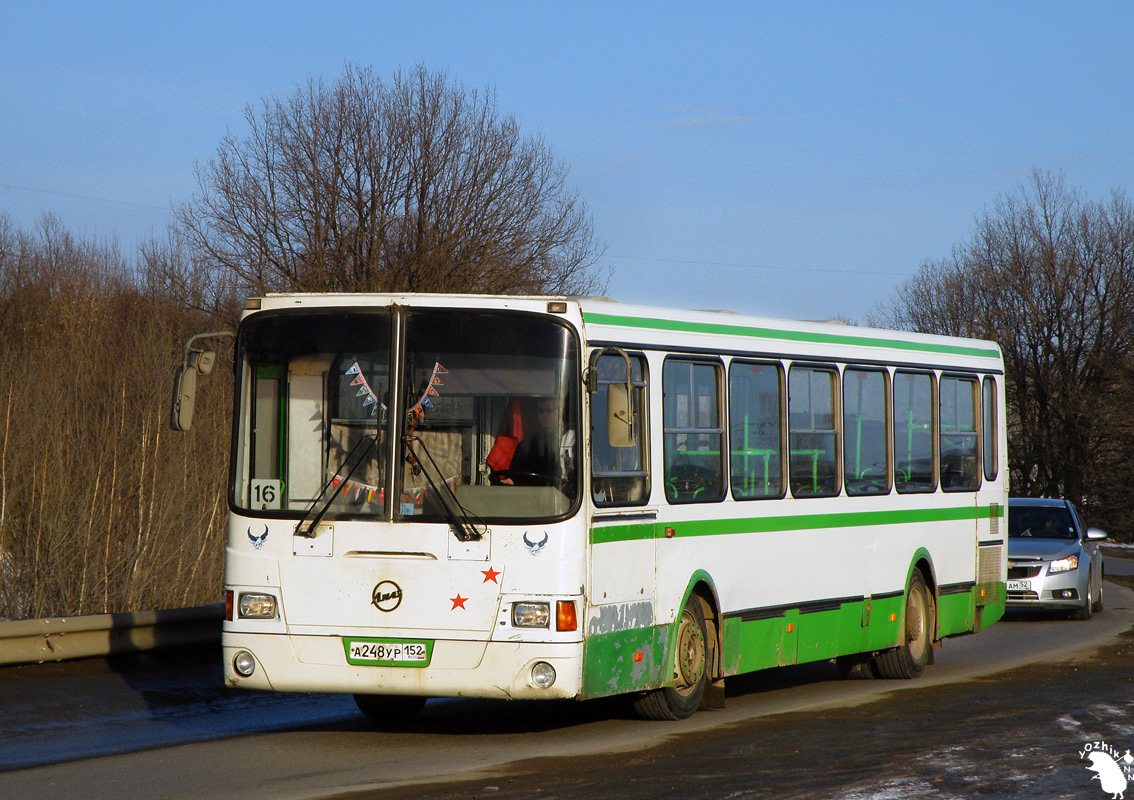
(767, 266)
(83, 197)
(721, 264)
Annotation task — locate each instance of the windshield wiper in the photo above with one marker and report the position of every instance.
(354, 458)
(463, 529)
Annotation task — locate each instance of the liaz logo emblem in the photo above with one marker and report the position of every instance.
(257, 539)
(535, 545)
(387, 596)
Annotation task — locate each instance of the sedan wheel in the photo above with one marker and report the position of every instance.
(1084, 611)
(1098, 606)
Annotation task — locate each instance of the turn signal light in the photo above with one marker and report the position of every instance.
(565, 616)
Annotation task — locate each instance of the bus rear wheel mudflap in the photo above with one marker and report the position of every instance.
(919, 622)
(690, 670)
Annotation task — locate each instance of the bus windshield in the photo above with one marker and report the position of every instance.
(491, 416)
(312, 413)
(487, 421)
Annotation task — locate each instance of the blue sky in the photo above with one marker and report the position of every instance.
(785, 159)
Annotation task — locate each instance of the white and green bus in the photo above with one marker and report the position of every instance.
(546, 497)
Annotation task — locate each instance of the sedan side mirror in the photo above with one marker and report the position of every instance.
(1096, 534)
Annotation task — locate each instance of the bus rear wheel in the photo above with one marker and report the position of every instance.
(389, 710)
(910, 658)
(690, 670)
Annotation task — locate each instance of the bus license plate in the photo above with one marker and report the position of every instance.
(388, 652)
(1019, 586)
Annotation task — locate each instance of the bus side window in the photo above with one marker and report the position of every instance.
(620, 475)
(958, 446)
(812, 437)
(755, 414)
(989, 428)
(866, 460)
(913, 432)
(693, 431)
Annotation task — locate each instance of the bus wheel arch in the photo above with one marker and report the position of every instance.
(918, 630)
(695, 655)
(714, 694)
(924, 565)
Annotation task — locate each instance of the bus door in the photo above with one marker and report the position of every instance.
(624, 528)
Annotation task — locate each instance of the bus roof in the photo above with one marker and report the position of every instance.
(615, 323)
(607, 322)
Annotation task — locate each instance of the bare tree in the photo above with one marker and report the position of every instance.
(410, 185)
(100, 508)
(1050, 276)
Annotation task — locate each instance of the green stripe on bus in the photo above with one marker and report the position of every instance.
(625, 661)
(789, 522)
(610, 665)
(789, 336)
(622, 533)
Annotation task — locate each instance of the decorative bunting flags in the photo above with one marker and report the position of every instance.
(413, 495)
(423, 402)
(357, 489)
(364, 390)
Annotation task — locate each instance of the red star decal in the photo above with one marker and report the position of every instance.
(458, 602)
(490, 575)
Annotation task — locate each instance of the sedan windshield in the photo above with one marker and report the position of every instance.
(1040, 522)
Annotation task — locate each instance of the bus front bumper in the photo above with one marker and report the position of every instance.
(456, 668)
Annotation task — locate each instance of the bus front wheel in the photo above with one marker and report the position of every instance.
(908, 660)
(690, 670)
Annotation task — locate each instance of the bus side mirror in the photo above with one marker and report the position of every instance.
(193, 363)
(202, 360)
(619, 418)
(197, 362)
(184, 398)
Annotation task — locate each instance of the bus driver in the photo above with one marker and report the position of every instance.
(542, 454)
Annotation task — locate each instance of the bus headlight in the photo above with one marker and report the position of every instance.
(543, 675)
(244, 663)
(257, 606)
(531, 615)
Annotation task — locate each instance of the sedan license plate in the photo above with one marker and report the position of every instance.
(388, 652)
(1019, 586)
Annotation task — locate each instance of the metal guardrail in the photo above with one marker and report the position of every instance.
(33, 641)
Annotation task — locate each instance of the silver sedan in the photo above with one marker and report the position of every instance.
(1053, 559)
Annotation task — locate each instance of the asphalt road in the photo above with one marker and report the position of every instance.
(155, 727)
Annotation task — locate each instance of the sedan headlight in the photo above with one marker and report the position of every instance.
(1063, 565)
(257, 606)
